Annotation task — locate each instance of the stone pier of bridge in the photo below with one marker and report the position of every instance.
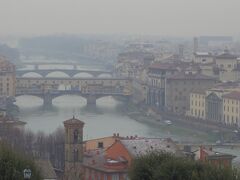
(47, 99)
(91, 100)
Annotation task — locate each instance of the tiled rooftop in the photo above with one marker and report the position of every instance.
(142, 146)
(233, 95)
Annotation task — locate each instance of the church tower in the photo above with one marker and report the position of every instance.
(73, 148)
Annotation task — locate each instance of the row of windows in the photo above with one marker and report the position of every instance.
(228, 109)
(227, 118)
(197, 113)
(228, 101)
(198, 96)
(187, 82)
(198, 103)
(229, 65)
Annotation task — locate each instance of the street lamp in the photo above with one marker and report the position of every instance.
(27, 173)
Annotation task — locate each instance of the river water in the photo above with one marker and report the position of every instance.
(106, 119)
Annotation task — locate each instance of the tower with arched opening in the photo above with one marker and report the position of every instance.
(73, 148)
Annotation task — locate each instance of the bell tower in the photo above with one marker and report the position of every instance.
(73, 148)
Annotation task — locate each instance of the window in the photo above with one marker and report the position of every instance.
(115, 177)
(125, 177)
(75, 136)
(100, 144)
(229, 65)
(105, 177)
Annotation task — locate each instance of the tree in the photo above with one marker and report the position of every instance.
(156, 165)
(12, 164)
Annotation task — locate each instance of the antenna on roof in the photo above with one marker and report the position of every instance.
(74, 114)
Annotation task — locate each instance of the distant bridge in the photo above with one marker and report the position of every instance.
(89, 88)
(69, 72)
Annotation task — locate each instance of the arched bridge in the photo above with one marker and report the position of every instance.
(69, 72)
(89, 88)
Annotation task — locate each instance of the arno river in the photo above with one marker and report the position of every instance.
(106, 119)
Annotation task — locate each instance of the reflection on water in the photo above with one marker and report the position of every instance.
(107, 118)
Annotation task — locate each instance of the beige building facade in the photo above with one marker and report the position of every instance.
(231, 108)
(227, 63)
(7, 78)
(179, 88)
(197, 105)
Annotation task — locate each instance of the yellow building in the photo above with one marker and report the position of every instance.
(7, 78)
(197, 105)
(231, 108)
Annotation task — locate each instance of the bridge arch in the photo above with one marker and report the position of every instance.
(56, 74)
(39, 99)
(83, 75)
(31, 74)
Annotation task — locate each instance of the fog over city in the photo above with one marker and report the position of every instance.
(158, 17)
(120, 89)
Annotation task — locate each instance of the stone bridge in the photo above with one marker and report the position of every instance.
(68, 72)
(89, 88)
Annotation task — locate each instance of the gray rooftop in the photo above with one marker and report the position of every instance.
(138, 147)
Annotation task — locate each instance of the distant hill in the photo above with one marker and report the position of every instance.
(12, 54)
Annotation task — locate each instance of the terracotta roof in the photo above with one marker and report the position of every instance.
(190, 76)
(214, 154)
(233, 95)
(96, 159)
(72, 121)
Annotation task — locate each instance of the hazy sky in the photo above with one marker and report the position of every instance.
(161, 17)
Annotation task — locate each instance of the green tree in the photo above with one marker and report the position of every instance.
(12, 164)
(161, 166)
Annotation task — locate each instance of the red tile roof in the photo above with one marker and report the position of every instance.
(233, 95)
(163, 66)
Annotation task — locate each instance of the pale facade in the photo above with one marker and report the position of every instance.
(180, 86)
(197, 105)
(231, 108)
(227, 63)
(7, 78)
(203, 57)
(157, 74)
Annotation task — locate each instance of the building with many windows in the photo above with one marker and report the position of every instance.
(180, 86)
(231, 108)
(157, 73)
(7, 78)
(227, 63)
(197, 105)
